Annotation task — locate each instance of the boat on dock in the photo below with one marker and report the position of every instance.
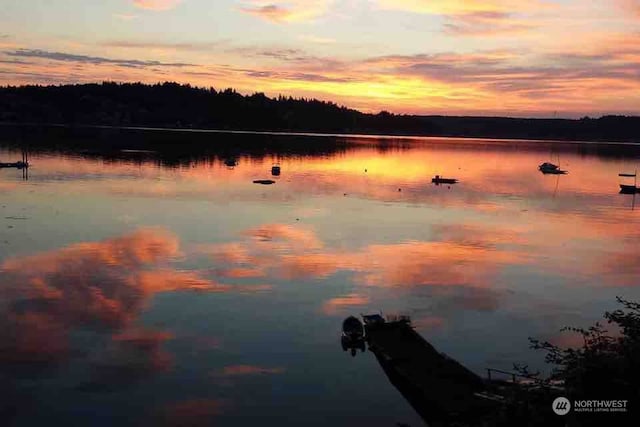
(352, 335)
(437, 180)
(352, 328)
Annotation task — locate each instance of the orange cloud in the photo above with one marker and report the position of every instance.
(339, 304)
(167, 280)
(405, 264)
(459, 7)
(285, 12)
(156, 4)
(632, 6)
(285, 236)
(101, 286)
(124, 16)
(485, 24)
(472, 256)
(596, 76)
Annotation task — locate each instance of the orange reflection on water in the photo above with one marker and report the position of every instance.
(485, 169)
(344, 303)
(292, 252)
(101, 286)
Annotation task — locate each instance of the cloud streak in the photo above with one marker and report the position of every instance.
(485, 24)
(606, 72)
(157, 5)
(291, 11)
(193, 46)
(94, 60)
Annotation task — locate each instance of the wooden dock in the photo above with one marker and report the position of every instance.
(438, 387)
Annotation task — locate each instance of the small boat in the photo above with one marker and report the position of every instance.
(550, 168)
(18, 165)
(437, 180)
(352, 328)
(275, 170)
(264, 181)
(629, 189)
(352, 335)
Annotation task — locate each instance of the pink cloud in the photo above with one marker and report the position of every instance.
(284, 12)
(156, 4)
(346, 302)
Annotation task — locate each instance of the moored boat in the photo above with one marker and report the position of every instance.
(352, 335)
(440, 180)
(352, 328)
(18, 165)
(629, 189)
(550, 168)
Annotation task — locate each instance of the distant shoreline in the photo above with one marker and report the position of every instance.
(170, 106)
(367, 136)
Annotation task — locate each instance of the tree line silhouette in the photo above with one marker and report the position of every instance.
(174, 105)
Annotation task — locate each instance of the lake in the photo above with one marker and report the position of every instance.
(145, 279)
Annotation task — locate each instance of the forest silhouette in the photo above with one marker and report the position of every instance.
(172, 105)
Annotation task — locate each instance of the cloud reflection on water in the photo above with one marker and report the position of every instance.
(102, 287)
(294, 253)
(486, 256)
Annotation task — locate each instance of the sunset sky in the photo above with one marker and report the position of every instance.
(520, 58)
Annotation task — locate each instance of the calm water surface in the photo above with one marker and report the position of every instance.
(140, 287)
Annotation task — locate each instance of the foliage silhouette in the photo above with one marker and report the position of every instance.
(183, 106)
